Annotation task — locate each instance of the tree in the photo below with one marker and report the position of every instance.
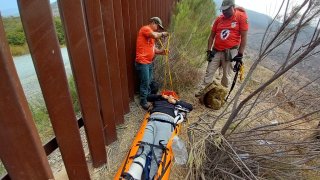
(269, 131)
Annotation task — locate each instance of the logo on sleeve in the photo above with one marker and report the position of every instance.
(224, 34)
(233, 24)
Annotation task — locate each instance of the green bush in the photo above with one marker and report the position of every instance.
(16, 37)
(19, 50)
(74, 95)
(41, 116)
(59, 29)
(2, 169)
(42, 120)
(190, 28)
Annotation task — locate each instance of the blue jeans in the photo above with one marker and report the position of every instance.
(145, 73)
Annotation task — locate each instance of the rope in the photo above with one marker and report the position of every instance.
(241, 73)
(241, 76)
(167, 69)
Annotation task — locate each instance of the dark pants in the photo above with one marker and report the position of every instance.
(145, 73)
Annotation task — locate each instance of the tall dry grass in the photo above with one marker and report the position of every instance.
(189, 29)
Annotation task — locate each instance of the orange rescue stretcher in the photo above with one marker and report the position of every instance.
(166, 160)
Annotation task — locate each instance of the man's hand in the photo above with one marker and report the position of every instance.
(210, 55)
(163, 52)
(238, 58)
(164, 34)
(237, 66)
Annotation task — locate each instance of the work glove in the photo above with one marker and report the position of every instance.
(237, 66)
(238, 58)
(164, 34)
(210, 55)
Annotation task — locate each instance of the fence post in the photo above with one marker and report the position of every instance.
(38, 24)
(20, 146)
(73, 17)
(113, 61)
(117, 9)
(100, 60)
(127, 36)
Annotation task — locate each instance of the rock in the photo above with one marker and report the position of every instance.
(214, 96)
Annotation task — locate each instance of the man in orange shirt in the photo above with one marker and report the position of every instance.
(229, 38)
(145, 53)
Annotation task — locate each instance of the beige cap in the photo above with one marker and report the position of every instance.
(158, 21)
(227, 4)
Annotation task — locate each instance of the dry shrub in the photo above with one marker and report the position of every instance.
(189, 29)
(184, 77)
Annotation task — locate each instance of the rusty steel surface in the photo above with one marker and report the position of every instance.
(134, 31)
(145, 11)
(53, 144)
(47, 58)
(139, 13)
(158, 10)
(100, 60)
(121, 53)
(153, 8)
(25, 159)
(150, 9)
(113, 61)
(72, 15)
(133, 24)
(166, 10)
(129, 49)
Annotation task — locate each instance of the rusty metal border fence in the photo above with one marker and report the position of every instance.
(101, 37)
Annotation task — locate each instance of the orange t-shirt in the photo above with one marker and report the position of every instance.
(145, 46)
(228, 30)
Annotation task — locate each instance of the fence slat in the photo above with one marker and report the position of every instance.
(134, 30)
(113, 61)
(121, 53)
(72, 14)
(153, 8)
(100, 59)
(139, 13)
(145, 11)
(127, 36)
(149, 9)
(43, 43)
(25, 159)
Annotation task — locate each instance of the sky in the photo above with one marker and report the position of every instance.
(268, 7)
(11, 4)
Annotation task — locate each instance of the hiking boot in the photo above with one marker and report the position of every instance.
(145, 106)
